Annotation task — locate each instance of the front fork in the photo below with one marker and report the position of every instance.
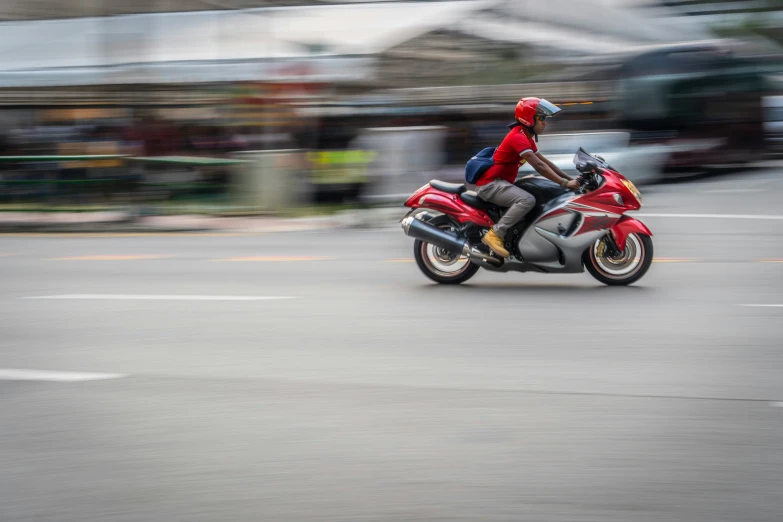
(612, 250)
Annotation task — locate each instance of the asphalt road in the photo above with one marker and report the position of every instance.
(370, 394)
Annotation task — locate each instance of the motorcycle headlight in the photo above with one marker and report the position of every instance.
(630, 186)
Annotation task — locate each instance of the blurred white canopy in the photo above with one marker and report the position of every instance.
(331, 42)
(319, 43)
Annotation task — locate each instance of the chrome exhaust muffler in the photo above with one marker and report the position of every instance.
(433, 235)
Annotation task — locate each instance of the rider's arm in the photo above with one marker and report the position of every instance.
(545, 170)
(554, 167)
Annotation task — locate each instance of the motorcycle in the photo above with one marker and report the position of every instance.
(566, 232)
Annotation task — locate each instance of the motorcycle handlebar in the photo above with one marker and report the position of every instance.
(588, 181)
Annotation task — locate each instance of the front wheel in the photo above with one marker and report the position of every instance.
(624, 269)
(439, 264)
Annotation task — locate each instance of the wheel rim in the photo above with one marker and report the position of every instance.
(623, 266)
(443, 262)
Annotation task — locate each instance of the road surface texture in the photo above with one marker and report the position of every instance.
(318, 376)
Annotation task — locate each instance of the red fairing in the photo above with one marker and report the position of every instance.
(627, 225)
(603, 198)
(451, 204)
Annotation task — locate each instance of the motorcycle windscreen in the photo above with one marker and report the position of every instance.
(582, 156)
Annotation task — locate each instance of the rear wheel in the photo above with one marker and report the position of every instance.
(623, 269)
(439, 264)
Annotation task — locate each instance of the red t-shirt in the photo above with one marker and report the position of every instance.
(508, 157)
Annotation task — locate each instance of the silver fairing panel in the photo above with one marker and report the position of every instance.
(572, 247)
(535, 248)
(550, 244)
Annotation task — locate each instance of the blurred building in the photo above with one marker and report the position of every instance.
(393, 44)
(743, 18)
(367, 53)
(51, 9)
(208, 77)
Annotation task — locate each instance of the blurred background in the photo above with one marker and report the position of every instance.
(209, 102)
(221, 336)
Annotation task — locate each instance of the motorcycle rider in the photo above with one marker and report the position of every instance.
(519, 146)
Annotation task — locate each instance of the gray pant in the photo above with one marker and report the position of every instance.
(501, 192)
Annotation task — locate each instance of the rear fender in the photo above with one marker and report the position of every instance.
(628, 225)
(449, 204)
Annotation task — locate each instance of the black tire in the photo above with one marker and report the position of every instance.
(419, 253)
(595, 269)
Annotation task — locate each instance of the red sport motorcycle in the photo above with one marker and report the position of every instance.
(566, 232)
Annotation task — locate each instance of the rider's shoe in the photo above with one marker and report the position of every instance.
(495, 242)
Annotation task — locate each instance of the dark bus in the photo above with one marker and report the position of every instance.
(700, 99)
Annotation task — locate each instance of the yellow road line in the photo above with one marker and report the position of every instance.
(130, 234)
(275, 259)
(109, 258)
(659, 260)
(278, 259)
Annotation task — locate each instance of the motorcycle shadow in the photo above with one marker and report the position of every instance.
(486, 288)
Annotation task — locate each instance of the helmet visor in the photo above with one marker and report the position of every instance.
(547, 108)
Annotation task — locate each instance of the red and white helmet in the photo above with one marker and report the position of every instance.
(527, 108)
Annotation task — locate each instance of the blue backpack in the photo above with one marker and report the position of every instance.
(478, 165)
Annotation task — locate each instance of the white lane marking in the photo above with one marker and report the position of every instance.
(110, 258)
(711, 216)
(130, 297)
(776, 404)
(763, 305)
(12, 374)
(733, 191)
(276, 258)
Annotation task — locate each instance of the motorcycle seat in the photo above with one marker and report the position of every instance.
(450, 188)
(541, 188)
(472, 199)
